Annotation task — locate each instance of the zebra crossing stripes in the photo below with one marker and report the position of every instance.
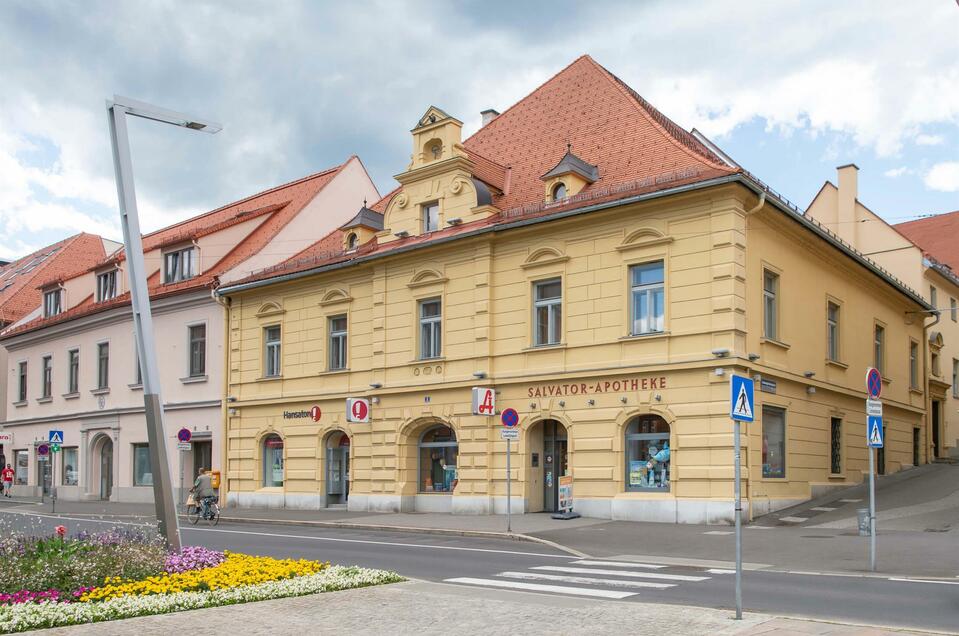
(615, 580)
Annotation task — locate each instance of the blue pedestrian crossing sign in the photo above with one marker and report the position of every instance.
(741, 403)
(56, 437)
(874, 431)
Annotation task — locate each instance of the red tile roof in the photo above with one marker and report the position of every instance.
(21, 280)
(937, 236)
(280, 205)
(637, 150)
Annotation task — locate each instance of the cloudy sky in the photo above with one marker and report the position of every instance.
(789, 89)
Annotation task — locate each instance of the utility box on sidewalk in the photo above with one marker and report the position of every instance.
(215, 479)
(863, 515)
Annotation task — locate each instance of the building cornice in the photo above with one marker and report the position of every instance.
(66, 417)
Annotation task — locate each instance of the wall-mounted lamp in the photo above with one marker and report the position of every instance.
(375, 399)
(376, 385)
(532, 405)
(562, 403)
(623, 399)
(479, 374)
(810, 390)
(402, 234)
(720, 353)
(455, 221)
(233, 411)
(809, 374)
(753, 357)
(659, 398)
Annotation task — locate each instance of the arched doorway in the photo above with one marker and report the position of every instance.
(103, 464)
(548, 461)
(337, 468)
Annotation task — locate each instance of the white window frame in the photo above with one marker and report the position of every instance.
(833, 325)
(879, 346)
(426, 217)
(431, 329)
(554, 313)
(46, 376)
(654, 323)
(955, 378)
(73, 370)
(191, 370)
(52, 302)
(771, 305)
(272, 350)
(176, 268)
(954, 309)
(23, 369)
(103, 365)
(107, 285)
(338, 339)
(913, 364)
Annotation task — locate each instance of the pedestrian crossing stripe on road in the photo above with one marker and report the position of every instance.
(614, 580)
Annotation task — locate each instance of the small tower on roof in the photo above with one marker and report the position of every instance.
(569, 176)
(361, 228)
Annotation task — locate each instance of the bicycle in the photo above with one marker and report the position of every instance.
(210, 513)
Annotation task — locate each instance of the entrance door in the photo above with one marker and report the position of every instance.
(338, 469)
(202, 458)
(555, 462)
(106, 469)
(935, 428)
(44, 477)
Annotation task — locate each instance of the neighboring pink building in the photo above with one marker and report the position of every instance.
(72, 361)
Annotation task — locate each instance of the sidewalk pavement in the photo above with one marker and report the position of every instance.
(918, 529)
(424, 608)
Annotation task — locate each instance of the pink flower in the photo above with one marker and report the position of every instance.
(61, 531)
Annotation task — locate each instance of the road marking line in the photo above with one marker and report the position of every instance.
(639, 575)
(718, 571)
(62, 518)
(718, 532)
(823, 509)
(621, 564)
(584, 580)
(393, 543)
(794, 519)
(539, 587)
(924, 581)
(760, 527)
(850, 500)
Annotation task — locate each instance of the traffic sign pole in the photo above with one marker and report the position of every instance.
(872, 509)
(509, 526)
(739, 522)
(742, 408)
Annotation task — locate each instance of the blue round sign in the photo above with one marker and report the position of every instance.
(43, 450)
(184, 435)
(510, 417)
(873, 383)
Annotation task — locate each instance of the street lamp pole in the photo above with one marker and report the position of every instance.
(117, 110)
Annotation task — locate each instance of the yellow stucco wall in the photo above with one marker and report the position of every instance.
(713, 257)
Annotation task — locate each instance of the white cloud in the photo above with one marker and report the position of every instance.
(896, 172)
(929, 140)
(943, 177)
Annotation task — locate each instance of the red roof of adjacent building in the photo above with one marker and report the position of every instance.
(279, 205)
(21, 280)
(937, 236)
(584, 107)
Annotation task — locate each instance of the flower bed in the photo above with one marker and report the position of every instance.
(57, 581)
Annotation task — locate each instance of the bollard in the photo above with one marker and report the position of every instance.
(863, 514)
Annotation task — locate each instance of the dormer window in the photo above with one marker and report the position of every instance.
(431, 217)
(106, 286)
(351, 241)
(179, 265)
(559, 191)
(52, 303)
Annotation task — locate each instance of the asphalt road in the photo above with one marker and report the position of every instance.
(489, 563)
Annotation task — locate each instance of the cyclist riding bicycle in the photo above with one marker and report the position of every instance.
(203, 491)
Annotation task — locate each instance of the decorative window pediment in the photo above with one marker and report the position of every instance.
(425, 277)
(644, 237)
(269, 309)
(335, 296)
(544, 256)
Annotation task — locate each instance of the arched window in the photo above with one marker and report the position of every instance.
(647, 454)
(438, 451)
(351, 241)
(272, 461)
(559, 191)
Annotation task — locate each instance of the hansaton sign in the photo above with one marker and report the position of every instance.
(484, 401)
(357, 410)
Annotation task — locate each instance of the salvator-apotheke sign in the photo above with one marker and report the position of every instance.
(597, 386)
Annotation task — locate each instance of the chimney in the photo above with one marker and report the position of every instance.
(489, 115)
(846, 227)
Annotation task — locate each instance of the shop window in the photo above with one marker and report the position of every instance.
(197, 336)
(648, 294)
(835, 446)
(770, 304)
(103, 365)
(71, 468)
(438, 451)
(431, 329)
(832, 331)
(431, 217)
(142, 473)
(774, 442)
(21, 467)
(548, 312)
(647, 454)
(337, 342)
(273, 461)
(879, 347)
(46, 368)
(73, 372)
(271, 340)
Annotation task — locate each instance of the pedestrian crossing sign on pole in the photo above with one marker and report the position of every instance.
(56, 437)
(741, 403)
(874, 432)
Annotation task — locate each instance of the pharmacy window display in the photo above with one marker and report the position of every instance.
(438, 450)
(647, 454)
(272, 461)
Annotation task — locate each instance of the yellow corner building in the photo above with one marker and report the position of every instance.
(603, 271)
